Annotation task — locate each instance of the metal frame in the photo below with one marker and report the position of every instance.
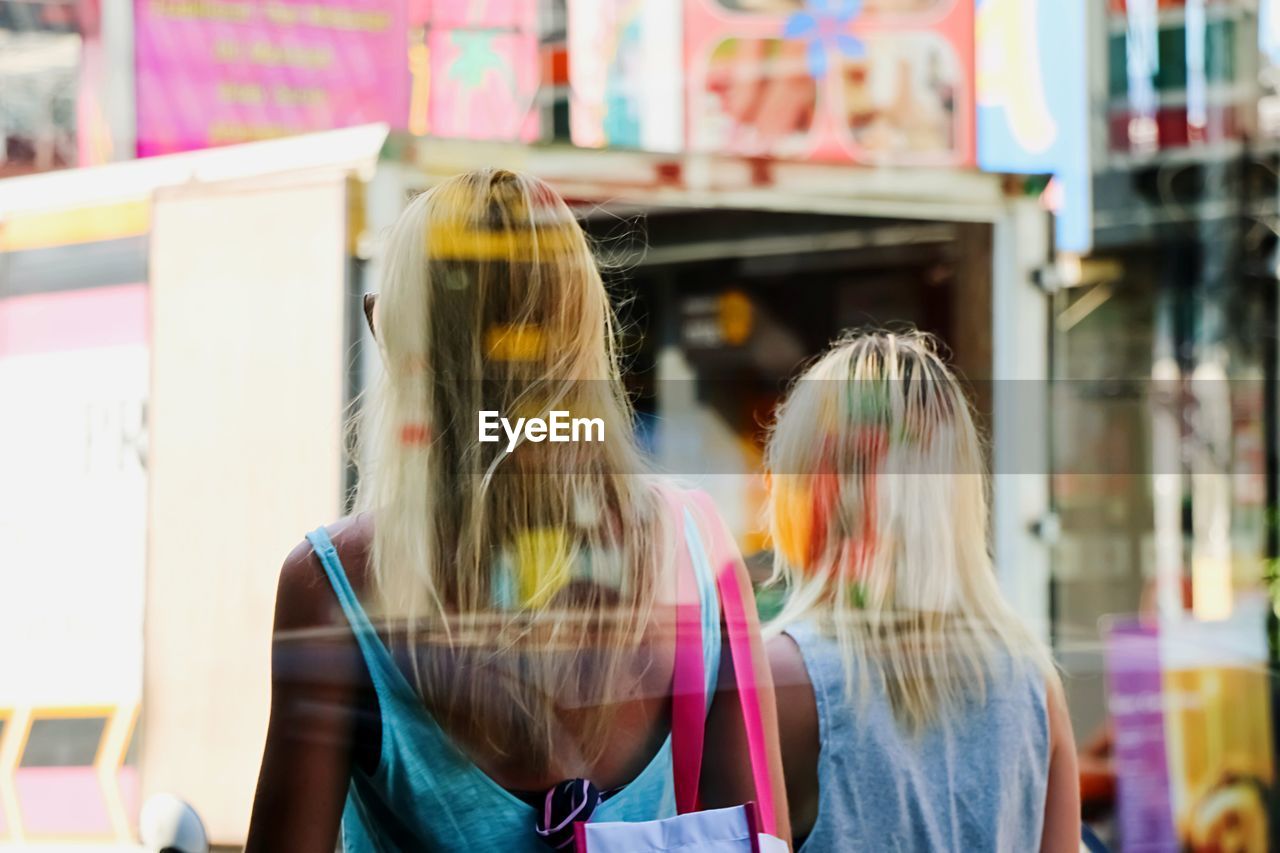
(711, 181)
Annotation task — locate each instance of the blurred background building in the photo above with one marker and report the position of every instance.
(1080, 199)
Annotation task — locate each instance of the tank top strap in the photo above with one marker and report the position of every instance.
(681, 505)
(423, 775)
(382, 667)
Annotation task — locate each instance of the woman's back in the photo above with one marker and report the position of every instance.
(421, 789)
(973, 780)
(935, 720)
(529, 582)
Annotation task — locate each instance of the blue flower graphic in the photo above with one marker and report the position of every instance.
(822, 25)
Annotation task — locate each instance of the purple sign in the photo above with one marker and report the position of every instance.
(213, 72)
(1135, 701)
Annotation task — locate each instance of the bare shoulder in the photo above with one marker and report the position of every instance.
(798, 730)
(304, 596)
(787, 663)
(797, 705)
(1061, 734)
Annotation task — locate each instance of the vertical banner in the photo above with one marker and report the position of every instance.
(93, 133)
(863, 81)
(1135, 702)
(1191, 707)
(213, 72)
(1269, 69)
(1218, 729)
(1033, 104)
(626, 74)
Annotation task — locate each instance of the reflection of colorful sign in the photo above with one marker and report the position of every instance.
(1191, 708)
(1177, 74)
(626, 75)
(1269, 69)
(1135, 702)
(1033, 103)
(869, 81)
(483, 84)
(222, 71)
(483, 71)
(1218, 730)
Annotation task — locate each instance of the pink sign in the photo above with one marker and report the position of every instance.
(484, 84)
(865, 81)
(484, 72)
(213, 72)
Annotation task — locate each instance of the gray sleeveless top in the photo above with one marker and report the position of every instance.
(973, 782)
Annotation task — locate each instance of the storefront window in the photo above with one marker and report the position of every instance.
(40, 53)
(1159, 485)
(1101, 446)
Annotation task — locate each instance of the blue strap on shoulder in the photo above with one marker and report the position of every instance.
(709, 598)
(383, 668)
(381, 665)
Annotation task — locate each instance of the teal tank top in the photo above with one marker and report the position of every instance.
(427, 795)
(974, 782)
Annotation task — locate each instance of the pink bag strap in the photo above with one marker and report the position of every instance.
(689, 682)
(689, 699)
(742, 624)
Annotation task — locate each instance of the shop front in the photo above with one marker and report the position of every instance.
(796, 175)
(731, 273)
(1164, 435)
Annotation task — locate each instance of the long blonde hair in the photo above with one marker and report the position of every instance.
(878, 514)
(524, 580)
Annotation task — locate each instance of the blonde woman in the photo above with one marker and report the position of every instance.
(484, 654)
(916, 711)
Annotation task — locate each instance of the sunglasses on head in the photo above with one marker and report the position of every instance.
(370, 300)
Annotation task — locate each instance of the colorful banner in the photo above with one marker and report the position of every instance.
(1218, 729)
(1191, 709)
(1269, 69)
(626, 74)
(482, 59)
(484, 84)
(864, 81)
(1033, 105)
(212, 72)
(1135, 702)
